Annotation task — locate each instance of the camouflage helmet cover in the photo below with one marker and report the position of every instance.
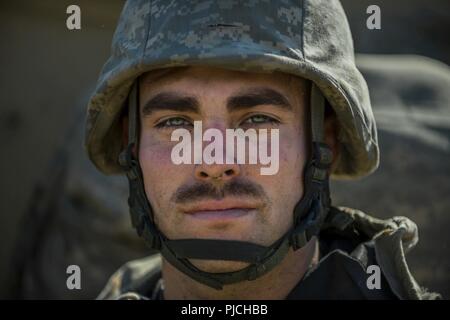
(306, 38)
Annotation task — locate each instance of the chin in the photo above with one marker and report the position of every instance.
(220, 231)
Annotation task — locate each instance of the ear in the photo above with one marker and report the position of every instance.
(331, 129)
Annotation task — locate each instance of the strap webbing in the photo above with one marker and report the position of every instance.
(317, 114)
(217, 280)
(207, 249)
(133, 115)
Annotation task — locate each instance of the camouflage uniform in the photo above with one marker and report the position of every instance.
(309, 39)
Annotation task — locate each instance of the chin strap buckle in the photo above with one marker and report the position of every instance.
(322, 159)
(306, 228)
(299, 240)
(256, 271)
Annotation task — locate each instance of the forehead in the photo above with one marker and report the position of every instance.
(209, 77)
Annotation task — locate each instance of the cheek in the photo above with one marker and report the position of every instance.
(286, 187)
(161, 176)
(155, 156)
(292, 155)
(290, 178)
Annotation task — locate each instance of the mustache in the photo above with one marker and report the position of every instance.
(203, 191)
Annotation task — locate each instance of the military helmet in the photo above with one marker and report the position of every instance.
(308, 38)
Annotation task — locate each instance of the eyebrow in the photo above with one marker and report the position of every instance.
(170, 101)
(257, 97)
(243, 100)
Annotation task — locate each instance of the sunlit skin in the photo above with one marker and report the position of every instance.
(185, 95)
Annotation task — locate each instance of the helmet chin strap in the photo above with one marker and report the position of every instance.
(308, 216)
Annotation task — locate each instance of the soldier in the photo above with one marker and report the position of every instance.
(224, 231)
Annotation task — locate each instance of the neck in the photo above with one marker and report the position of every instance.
(275, 285)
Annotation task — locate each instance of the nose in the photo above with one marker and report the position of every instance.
(216, 172)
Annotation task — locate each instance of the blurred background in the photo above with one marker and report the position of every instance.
(56, 210)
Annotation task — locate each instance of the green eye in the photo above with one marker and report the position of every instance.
(173, 122)
(260, 118)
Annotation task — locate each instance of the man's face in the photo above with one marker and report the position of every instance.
(222, 201)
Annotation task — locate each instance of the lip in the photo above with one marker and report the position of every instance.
(222, 210)
(219, 205)
(221, 215)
